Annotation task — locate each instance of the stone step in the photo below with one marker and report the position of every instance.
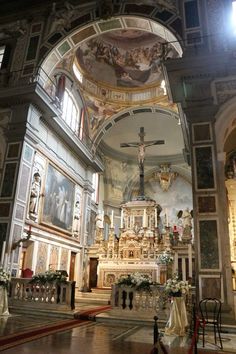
(65, 314)
(93, 297)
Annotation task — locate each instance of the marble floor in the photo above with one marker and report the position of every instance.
(100, 338)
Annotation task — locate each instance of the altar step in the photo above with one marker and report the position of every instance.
(95, 296)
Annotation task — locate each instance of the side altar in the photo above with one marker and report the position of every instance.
(138, 247)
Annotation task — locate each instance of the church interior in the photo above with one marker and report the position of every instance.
(117, 161)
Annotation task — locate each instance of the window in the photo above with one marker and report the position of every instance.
(234, 16)
(70, 112)
(2, 51)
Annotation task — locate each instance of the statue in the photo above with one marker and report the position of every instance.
(76, 224)
(186, 219)
(35, 193)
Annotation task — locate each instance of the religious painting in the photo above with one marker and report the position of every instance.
(206, 204)
(58, 200)
(117, 58)
(209, 248)
(99, 111)
(204, 168)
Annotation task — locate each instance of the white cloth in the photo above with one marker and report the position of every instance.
(3, 302)
(178, 321)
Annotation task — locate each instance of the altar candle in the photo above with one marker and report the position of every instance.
(155, 217)
(3, 252)
(144, 217)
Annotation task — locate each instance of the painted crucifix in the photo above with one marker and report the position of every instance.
(141, 145)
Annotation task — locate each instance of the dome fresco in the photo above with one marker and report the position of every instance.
(118, 60)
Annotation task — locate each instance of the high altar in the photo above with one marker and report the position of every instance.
(142, 237)
(141, 241)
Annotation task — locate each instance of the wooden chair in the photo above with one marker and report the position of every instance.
(210, 314)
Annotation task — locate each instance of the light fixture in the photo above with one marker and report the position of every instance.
(165, 177)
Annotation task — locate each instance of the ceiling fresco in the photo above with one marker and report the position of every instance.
(118, 60)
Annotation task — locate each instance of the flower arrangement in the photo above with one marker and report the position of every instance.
(165, 258)
(49, 276)
(136, 280)
(175, 287)
(5, 278)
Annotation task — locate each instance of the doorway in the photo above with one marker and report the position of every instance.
(93, 265)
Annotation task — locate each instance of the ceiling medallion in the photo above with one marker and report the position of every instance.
(165, 177)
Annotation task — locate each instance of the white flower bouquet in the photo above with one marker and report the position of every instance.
(136, 280)
(165, 258)
(5, 278)
(49, 276)
(175, 287)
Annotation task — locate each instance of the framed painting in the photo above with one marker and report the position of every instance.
(58, 200)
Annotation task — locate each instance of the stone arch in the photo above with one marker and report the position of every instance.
(55, 51)
(164, 16)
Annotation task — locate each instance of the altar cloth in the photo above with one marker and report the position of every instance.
(3, 302)
(178, 320)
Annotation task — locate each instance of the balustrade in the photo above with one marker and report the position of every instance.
(53, 295)
(129, 299)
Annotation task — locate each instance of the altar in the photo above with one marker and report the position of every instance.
(142, 240)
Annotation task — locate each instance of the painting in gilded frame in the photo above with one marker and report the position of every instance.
(58, 200)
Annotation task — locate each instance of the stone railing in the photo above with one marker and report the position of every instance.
(42, 296)
(128, 300)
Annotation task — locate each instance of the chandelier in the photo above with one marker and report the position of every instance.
(165, 177)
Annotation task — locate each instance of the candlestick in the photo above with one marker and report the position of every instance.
(156, 217)
(144, 217)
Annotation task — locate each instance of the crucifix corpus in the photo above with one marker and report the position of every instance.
(141, 145)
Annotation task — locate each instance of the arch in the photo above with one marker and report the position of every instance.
(67, 43)
(109, 123)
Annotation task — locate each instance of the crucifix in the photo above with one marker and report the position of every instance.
(141, 145)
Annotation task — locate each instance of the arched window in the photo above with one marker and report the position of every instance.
(71, 112)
